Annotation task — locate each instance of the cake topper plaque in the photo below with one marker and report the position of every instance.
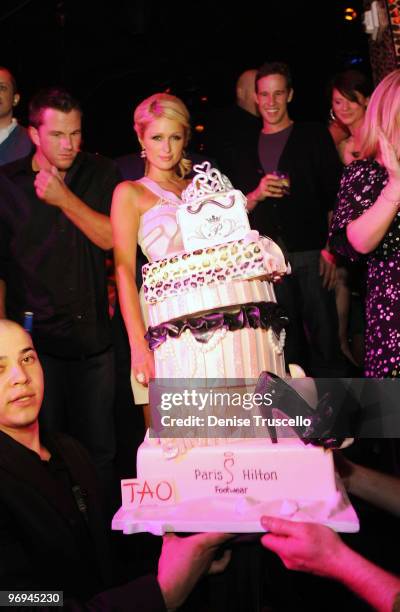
(207, 182)
(213, 212)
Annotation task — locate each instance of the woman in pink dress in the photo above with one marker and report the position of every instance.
(162, 124)
(229, 330)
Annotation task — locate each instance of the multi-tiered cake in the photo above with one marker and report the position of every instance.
(221, 272)
(212, 314)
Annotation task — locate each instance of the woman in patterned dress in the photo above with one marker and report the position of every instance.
(366, 222)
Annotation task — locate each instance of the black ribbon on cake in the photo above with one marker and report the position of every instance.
(261, 314)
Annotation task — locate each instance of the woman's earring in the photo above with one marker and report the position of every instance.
(332, 115)
(143, 153)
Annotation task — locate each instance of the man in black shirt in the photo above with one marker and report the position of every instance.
(54, 232)
(52, 530)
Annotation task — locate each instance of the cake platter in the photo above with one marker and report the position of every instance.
(241, 515)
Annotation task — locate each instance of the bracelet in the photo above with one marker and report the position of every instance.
(393, 201)
(329, 257)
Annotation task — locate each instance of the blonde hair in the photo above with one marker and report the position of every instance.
(162, 105)
(383, 113)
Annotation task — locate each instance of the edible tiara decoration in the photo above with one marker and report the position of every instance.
(207, 181)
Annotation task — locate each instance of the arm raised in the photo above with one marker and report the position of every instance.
(366, 232)
(52, 190)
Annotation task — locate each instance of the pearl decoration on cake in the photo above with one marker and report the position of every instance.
(277, 345)
(167, 352)
(209, 346)
(194, 348)
(198, 348)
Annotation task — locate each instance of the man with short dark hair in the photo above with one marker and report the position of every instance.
(291, 176)
(52, 531)
(14, 139)
(54, 234)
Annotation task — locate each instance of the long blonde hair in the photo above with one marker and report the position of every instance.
(383, 113)
(162, 105)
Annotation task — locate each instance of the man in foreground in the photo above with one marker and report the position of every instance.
(52, 533)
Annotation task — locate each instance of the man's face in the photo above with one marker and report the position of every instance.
(57, 139)
(7, 96)
(21, 379)
(272, 97)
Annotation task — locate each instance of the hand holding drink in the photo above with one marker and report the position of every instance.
(284, 181)
(273, 185)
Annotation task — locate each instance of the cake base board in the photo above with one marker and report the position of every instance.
(221, 516)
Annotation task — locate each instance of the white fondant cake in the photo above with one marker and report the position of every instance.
(253, 468)
(227, 273)
(210, 278)
(228, 487)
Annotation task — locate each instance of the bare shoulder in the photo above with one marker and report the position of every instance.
(128, 189)
(131, 195)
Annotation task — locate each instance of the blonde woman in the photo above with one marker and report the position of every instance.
(144, 212)
(210, 332)
(366, 222)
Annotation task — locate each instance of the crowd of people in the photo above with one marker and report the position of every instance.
(63, 210)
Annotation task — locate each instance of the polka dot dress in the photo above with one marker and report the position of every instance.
(361, 185)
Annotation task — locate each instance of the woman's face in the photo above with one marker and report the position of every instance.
(349, 113)
(163, 141)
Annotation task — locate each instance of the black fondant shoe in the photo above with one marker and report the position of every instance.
(289, 402)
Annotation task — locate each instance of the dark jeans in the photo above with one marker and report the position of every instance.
(312, 339)
(79, 400)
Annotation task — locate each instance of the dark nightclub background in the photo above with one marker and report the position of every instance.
(114, 54)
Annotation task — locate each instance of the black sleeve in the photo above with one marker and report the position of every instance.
(93, 180)
(141, 595)
(15, 566)
(328, 167)
(7, 205)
